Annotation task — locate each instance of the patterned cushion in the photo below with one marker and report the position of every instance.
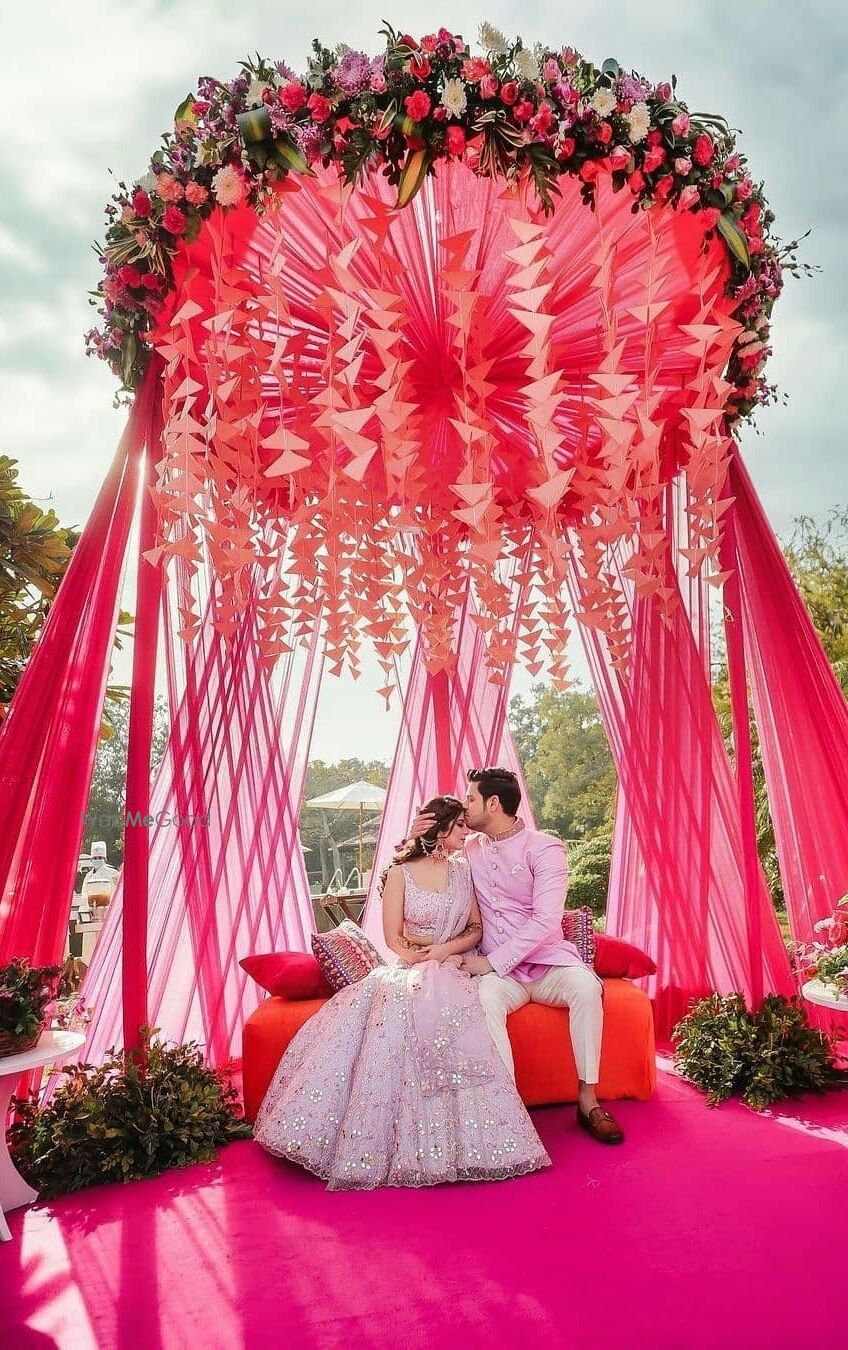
(345, 955)
(577, 928)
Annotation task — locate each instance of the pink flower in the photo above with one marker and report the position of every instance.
(509, 93)
(417, 105)
(744, 188)
(732, 163)
(129, 275)
(196, 193)
(150, 281)
(664, 91)
(455, 140)
(488, 86)
(319, 106)
(709, 216)
(689, 197)
(550, 70)
(544, 119)
(636, 181)
(418, 67)
(703, 150)
(682, 165)
(173, 220)
(654, 158)
(140, 238)
(378, 76)
(663, 187)
(142, 204)
(293, 96)
(168, 188)
(589, 170)
(680, 125)
(604, 133)
(523, 110)
(567, 147)
(620, 158)
(654, 137)
(127, 214)
(429, 43)
(475, 68)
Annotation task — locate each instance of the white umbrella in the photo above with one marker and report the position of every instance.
(355, 797)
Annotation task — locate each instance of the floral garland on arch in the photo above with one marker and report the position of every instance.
(515, 112)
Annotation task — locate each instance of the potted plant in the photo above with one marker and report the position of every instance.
(25, 992)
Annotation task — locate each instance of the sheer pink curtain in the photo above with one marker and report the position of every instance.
(49, 737)
(450, 723)
(232, 880)
(677, 885)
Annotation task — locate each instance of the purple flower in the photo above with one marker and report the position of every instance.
(285, 72)
(632, 90)
(308, 137)
(353, 72)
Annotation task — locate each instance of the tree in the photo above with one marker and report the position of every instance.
(320, 830)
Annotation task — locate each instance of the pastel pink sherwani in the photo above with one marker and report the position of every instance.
(521, 885)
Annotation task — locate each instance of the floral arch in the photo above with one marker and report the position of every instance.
(445, 350)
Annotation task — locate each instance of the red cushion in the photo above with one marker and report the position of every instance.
(619, 960)
(293, 975)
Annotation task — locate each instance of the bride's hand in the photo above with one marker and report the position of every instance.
(454, 960)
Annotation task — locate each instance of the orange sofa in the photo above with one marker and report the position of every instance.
(544, 1062)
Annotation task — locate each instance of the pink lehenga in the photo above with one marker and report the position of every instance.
(396, 1080)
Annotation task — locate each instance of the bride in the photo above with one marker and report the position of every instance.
(396, 1081)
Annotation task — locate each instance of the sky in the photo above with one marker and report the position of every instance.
(87, 89)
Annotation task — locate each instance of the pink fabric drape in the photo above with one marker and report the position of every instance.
(802, 717)
(450, 723)
(236, 759)
(49, 737)
(677, 883)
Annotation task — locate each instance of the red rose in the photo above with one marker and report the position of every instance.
(523, 110)
(293, 96)
(419, 67)
(319, 106)
(544, 119)
(430, 43)
(150, 281)
(475, 68)
(129, 275)
(488, 86)
(604, 133)
(418, 105)
(174, 220)
(406, 41)
(654, 159)
(142, 204)
(709, 216)
(654, 137)
(439, 113)
(620, 158)
(589, 171)
(455, 140)
(636, 181)
(509, 93)
(664, 91)
(703, 150)
(663, 187)
(567, 148)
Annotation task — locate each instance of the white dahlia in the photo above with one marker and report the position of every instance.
(493, 40)
(603, 102)
(228, 186)
(639, 122)
(527, 65)
(454, 99)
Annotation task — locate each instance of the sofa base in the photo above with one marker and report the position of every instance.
(544, 1062)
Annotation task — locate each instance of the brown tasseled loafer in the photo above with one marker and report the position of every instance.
(601, 1125)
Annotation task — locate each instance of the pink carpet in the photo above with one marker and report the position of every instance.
(706, 1229)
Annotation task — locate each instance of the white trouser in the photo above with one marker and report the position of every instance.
(576, 988)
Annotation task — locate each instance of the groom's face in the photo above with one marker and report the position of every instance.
(475, 808)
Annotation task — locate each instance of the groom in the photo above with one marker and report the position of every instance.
(520, 876)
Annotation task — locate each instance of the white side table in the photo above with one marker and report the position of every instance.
(814, 991)
(52, 1045)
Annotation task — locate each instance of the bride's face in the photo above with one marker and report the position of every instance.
(456, 835)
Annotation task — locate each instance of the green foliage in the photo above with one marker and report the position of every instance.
(321, 831)
(762, 1057)
(25, 992)
(588, 872)
(567, 764)
(129, 1118)
(832, 968)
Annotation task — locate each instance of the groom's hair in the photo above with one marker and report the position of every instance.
(500, 783)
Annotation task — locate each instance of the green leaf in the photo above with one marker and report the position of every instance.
(734, 238)
(185, 109)
(412, 176)
(289, 157)
(254, 125)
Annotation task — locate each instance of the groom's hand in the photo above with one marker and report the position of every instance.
(476, 965)
(424, 821)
